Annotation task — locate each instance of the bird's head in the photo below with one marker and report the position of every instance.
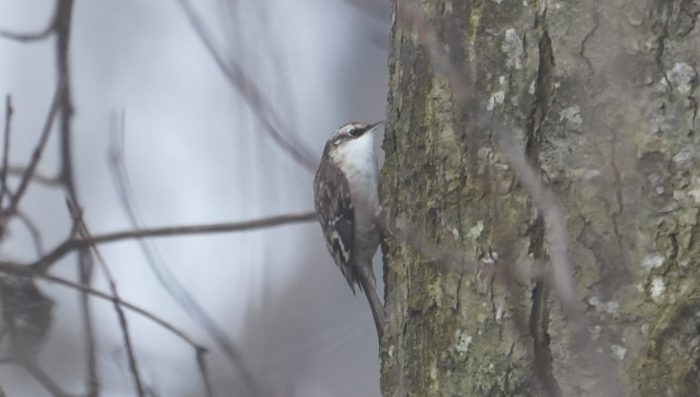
(354, 135)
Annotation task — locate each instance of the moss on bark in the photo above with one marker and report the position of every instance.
(604, 99)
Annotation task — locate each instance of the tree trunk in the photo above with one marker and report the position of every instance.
(603, 97)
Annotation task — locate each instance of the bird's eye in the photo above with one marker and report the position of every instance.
(355, 132)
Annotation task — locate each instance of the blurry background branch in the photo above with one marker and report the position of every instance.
(251, 93)
(39, 237)
(38, 374)
(73, 243)
(34, 36)
(18, 171)
(122, 183)
(23, 272)
(61, 108)
(6, 148)
(81, 230)
(10, 210)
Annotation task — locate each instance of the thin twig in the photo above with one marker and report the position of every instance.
(62, 26)
(75, 243)
(37, 373)
(5, 148)
(31, 36)
(168, 281)
(26, 37)
(204, 373)
(246, 87)
(38, 150)
(42, 377)
(19, 171)
(23, 271)
(76, 214)
(85, 273)
(64, 14)
(228, 227)
(33, 231)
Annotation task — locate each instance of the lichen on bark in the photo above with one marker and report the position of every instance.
(603, 97)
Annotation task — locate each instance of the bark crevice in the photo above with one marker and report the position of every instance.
(539, 325)
(539, 314)
(543, 92)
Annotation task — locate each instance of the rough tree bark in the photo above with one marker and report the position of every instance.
(603, 96)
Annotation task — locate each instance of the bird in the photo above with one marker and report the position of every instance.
(346, 201)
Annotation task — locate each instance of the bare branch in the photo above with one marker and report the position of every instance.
(45, 380)
(15, 170)
(229, 227)
(77, 215)
(27, 37)
(246, 87)
(38, 150)
(24, 271)
(33, 231)
(85, 274)
(62, 27)
(31, 36)
(35, 371)
(167, 280)
(202, 365)
(5, 148)
(64, 14)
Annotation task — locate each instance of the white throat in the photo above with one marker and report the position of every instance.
(358, 162)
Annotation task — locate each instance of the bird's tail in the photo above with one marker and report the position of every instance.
(374, 304)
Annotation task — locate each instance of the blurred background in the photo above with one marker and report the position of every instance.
(195, 153)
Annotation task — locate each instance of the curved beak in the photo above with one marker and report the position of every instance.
(374, 126)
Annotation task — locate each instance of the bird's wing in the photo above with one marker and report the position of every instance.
(337, 218)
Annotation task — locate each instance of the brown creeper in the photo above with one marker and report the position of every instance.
(346, 201)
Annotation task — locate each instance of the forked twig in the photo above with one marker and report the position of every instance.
(81, 228)
(62, 25)
(5, 148)
(38, 151)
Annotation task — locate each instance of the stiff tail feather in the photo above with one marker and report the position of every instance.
(374, 304)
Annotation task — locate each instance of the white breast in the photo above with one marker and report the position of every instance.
(359, 164)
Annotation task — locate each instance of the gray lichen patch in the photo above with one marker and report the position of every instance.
(682, 77)
(476, 230)
(462, 342)
(513, 48)
(572, 117)
(652, 261)
(619, 351)
(495, 99)
(657, 288)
